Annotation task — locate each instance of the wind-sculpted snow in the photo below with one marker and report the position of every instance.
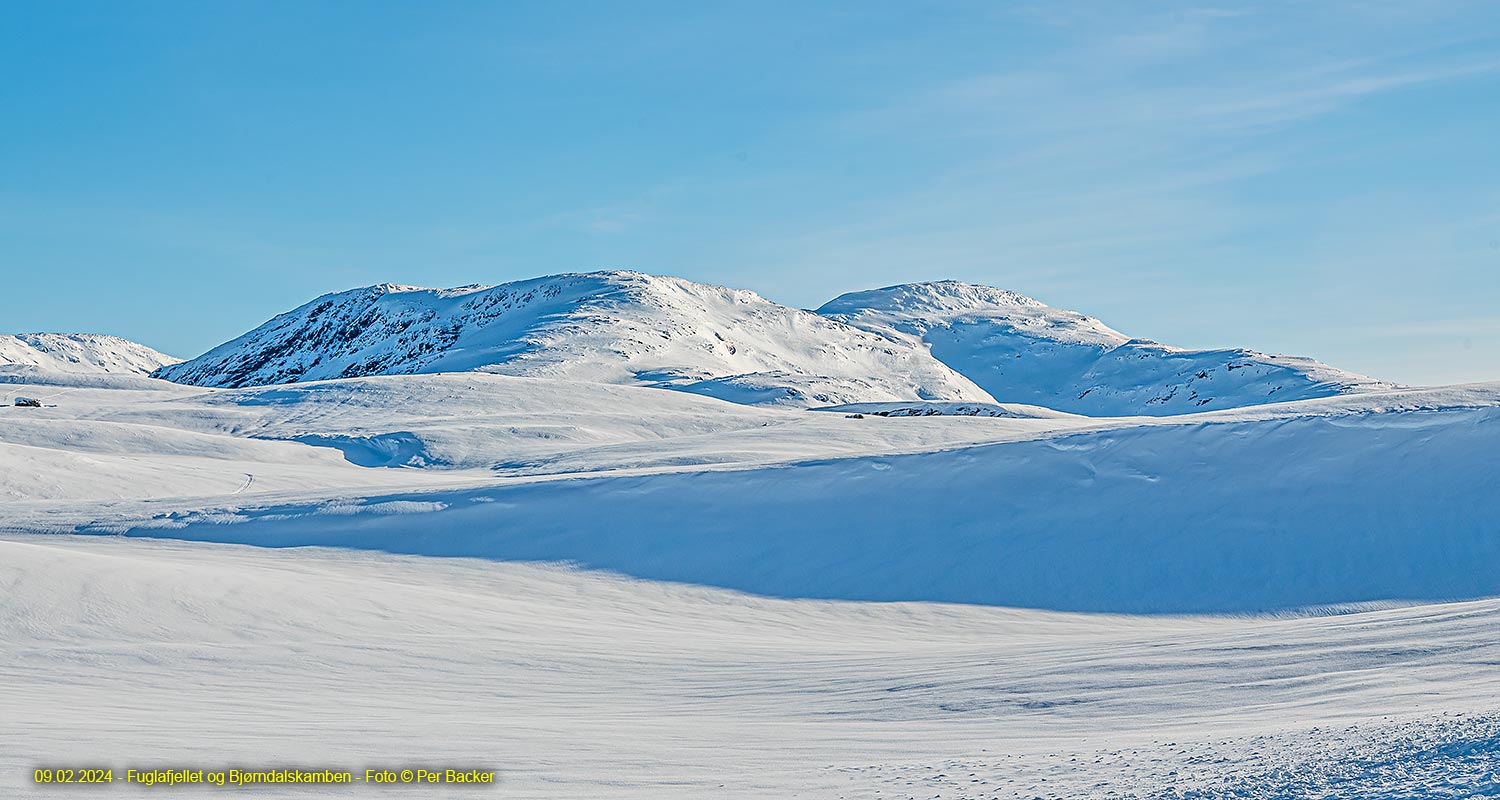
(147, 438)
(938, 409)
(575, 684)
(1204, 515)
(603, 327)
(1370, 497)
(1022, 351)
(631, 672)
(33, 354)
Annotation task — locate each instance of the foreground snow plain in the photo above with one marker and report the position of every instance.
(715, 634)
(577, 684)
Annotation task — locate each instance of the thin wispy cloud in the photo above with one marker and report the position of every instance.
(1200, 173)
(1140, 150)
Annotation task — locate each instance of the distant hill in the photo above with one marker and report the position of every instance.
(77, 353)
(601, 327)
(941, 342)
(1021, 350)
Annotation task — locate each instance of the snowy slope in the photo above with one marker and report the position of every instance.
(586, 683)
(144, 440)
(603, 327)
(640, 671)
(131, 653)
(528, 426)
(30, 353)
(1213, 516)
(939, 409)
(1356, 498)
(96, 442)
(943, 341)
(1020, 350)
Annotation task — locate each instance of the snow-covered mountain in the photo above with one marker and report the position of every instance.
(620, 543)
(1020, 350)
(940, 341)
(601, 327)
(90, 353)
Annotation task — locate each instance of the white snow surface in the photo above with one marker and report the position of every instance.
(601, 589)
(941, 409)
(1020, 350)
(140, 654)
(30, 354)
(1382, 496)
(156, 439)
(604, 327)
(943, 341)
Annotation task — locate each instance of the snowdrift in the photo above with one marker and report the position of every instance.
(1213, 515)
(128, 439)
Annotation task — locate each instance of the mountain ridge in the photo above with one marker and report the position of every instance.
(78, 353)
(1021, 350)
(939, 341)
(613, 326)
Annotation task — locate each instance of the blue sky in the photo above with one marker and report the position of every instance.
(1314, 178)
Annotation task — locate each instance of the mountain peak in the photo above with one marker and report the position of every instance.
(939, 340)
(613, 326)
(1021, 350)
(930, 296)
(913, 308)
(78, 353)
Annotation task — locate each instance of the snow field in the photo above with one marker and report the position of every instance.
(579, 684)
(604, 589)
